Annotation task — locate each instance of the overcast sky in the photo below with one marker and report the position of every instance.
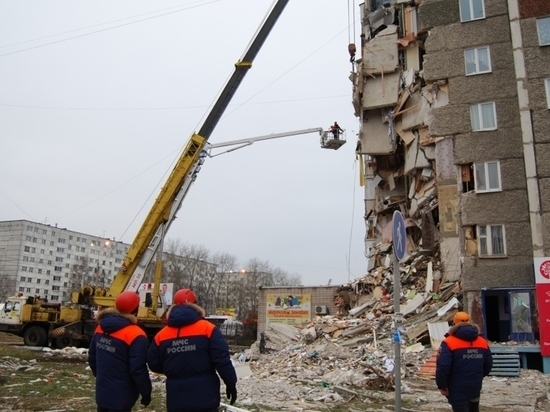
(97, 98)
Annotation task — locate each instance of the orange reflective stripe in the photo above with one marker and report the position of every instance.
(200, 328)
(455, 343)
(126, 334)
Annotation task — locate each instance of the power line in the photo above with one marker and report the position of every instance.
(20, 106)
(87, 27)
(106, 29)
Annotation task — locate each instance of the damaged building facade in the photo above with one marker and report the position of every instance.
(453, 98)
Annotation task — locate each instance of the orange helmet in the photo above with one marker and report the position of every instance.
(461, 317)
(183, 296)
(127, 302)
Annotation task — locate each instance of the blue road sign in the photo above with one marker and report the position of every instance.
(399, 235)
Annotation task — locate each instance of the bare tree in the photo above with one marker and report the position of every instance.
(226, 265)
(7, 286)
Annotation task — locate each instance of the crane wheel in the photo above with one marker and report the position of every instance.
(35, 336)
(64, 342)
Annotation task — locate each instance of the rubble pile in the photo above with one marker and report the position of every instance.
(355, 347)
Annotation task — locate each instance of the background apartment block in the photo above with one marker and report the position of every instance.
(454, 98)
(45, 260)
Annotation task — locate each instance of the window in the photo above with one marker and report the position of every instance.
(60, 249)
(37, 291)
(59, 259)
(23, 268)
(28, 238)
(31, 269)
(27, 249)
(483, 116)
(471, 10)
(547, 86)
(55, 287)
(21, 289)
(71, 237)
(25, 258)
(543, 27)
(487, 177)
(28, 290)
(39, 280)
(47, 281)
(34, 240)
(40, 260)
(491, 240)
(54, 297)
(22, 279)
(58, 268)
(43, 241)
(31, 259)
(57, 278)
(51, 243)
(61, 240)
(477, 60)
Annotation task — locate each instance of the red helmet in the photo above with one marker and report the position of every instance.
(183, 296)
(127, 302)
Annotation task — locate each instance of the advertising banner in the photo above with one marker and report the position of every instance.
(542, 279)
(289, 309)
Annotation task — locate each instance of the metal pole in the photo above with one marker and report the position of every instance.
(396, 323)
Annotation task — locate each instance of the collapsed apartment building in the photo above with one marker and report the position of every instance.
(453, 99)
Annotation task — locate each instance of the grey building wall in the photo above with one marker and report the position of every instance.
(444, 60)
(537, 62)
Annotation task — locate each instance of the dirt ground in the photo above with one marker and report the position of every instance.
(34, 380)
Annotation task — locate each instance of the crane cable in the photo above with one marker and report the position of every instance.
(352, 49)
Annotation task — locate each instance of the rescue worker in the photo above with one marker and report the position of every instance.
(118, 357)
(336, 130)
(189, 351)
(464, 359)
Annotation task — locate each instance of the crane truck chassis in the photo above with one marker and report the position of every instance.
(41, 323)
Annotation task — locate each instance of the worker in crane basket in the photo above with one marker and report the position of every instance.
(189, 351)
(118, 357)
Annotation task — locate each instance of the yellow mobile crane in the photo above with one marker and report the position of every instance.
(39, 322)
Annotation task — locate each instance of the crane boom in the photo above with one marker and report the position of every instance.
(165, 207)
(241, 68)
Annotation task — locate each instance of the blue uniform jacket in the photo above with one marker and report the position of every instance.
(189, 351)
(464, 359)
(118, 359)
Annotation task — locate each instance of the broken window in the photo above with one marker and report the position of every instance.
(491, 240)
(471, 10)
(477, 60)
(483, 117)
(543, 27)
(487, 177)
(376, 4)
(547, 86)
(466, 172)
